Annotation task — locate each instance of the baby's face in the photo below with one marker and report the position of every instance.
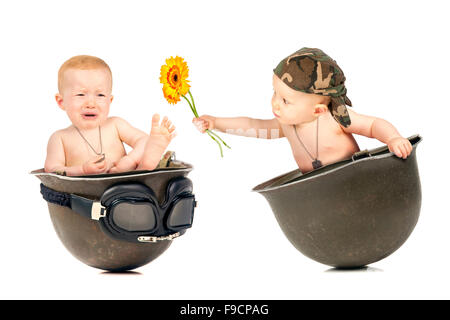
(291, 106)
(86, 96)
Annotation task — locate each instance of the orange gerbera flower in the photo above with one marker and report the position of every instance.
(175, 84)
(174, 78)
(171, 96)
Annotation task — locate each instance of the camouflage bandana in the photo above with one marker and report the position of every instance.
(310, 70)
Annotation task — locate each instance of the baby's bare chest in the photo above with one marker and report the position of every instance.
(79, 148)
(325, 145)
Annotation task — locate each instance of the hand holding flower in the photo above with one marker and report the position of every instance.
(204, 123)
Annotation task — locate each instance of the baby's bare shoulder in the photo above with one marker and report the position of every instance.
(331, 126)
(60, 134)
(113, 119)
(67, 137)
(116, 122)
(58, 139)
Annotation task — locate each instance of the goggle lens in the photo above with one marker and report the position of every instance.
(134, 216)
(181, 213)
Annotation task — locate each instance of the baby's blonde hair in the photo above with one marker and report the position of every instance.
(81, 62)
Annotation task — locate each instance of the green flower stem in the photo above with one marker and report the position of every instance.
(193, 103)
(190, 105)
(212, 132)
(209, 132)
(218, 143)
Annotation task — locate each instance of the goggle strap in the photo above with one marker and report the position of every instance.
(83, 206)
(52, 196)
(87, 207)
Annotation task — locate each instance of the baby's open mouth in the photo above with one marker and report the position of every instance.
(89, 115)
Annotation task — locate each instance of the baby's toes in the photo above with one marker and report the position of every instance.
(155, 120)
(164, 121)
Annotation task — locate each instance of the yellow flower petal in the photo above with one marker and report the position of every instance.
(171, 95)
(173, 76)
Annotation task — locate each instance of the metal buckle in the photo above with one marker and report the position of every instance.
(173, 156)
(98, 211)
(166, 159)
(156, 239)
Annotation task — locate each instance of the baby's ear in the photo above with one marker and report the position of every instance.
(320, 109)
(59, 101)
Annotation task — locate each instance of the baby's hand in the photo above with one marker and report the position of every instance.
(164, 132)
(400, 146)
(204, 123)
(96, 165)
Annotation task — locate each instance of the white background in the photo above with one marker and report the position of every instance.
(395, 56)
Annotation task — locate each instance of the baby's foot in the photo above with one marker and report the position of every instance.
(162, 133)
(160, 137)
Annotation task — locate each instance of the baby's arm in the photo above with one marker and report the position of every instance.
(242, 126)
(133, 137)
(56, 160)
(379, 129)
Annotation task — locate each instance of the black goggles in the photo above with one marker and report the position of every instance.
(131, 211)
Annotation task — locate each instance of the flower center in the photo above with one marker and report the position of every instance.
(173, 77)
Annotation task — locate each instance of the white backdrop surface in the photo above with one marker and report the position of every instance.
(394, 55)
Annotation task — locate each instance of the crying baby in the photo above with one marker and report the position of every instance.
(93, 143)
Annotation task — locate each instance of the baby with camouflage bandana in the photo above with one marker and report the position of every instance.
(309, 105)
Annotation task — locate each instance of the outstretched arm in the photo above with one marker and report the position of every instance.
(242, 126)
(380, 129)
